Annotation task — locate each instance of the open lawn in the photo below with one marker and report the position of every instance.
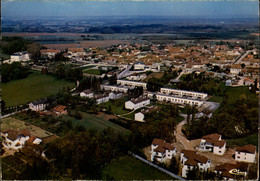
(251, 139)
(157, 75)
(129, 168)
(12, 123)
(91, 121)
(34, 87)
(92, 71)
(88, 67)
(117, 106)
(218, 99)
(234, 93)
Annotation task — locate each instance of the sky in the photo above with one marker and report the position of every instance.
(208, 8)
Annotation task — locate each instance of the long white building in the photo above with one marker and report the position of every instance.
(176, 100)
(131, 83)
(114, 88)
(184, 93)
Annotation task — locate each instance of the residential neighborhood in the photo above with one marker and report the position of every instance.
(98, 95)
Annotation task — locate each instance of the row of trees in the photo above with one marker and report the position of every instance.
(13, 71)
(202, 83)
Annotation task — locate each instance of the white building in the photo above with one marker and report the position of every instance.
(232, 171)
(114, 88)
(101, 98)
(115, 95)
(139, 65)
(184, 93)
(136, 77)
(137, 103)
(77, 52)
(213, 143)
(19, 56)
(235, 69)
(175, 100)
(14, 139)
(38, 105)
(50, 52)
(87, 93)
(140, 115)
(161, 150)
(189, 159)
(246, 153)
(131, 83)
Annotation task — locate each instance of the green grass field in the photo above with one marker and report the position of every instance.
(218, 99)
(235, 92)
(88, 67)
(91, 121)
(251, 139)
(92, 71)
(117, 106)
(129, 168)
(34, 87)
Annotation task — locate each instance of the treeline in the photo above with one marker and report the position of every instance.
(63, 72)
(13, 71)
(154, 84)
(202, 83)
(233, 120)
(11, 45)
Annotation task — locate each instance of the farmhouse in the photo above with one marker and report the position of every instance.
(19, 56)
(137, 103)
(87, 93)
(60, 110)
(184, 93)
(38, 105)
(50, 52)
(161, 150)
(131, 83)
(175, 100)
(213, 143)
(232, 171)
(189, 159)
(114, 88)
(245, 153)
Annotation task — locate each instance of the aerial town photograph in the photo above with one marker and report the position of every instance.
(129, 90)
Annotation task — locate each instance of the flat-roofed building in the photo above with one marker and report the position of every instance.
(184, 93)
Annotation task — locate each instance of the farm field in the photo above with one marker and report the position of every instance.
(34, 87)
(91, 121)
(129, 168)
(12, 123)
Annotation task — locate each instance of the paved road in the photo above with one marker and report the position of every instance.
(179, 135)
(7, 115)
(156, 166)
(242, 57)
(125, 72)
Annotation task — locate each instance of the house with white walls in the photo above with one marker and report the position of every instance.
(230, 171)
(213, 143)
(245, 153)
(139, 65)
(114, 88)
(190, 159)
(87, 93)
(141, 115)
(161, 150)
(183, 93)
(175, 100)
(131, 83)
(38, 105)
(137, 103)
(19, 57)
(101, 98)
(77, 52)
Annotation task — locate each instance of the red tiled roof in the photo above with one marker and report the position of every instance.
(32, 138)
(213, 136)
(247, 148)
(162, 145)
